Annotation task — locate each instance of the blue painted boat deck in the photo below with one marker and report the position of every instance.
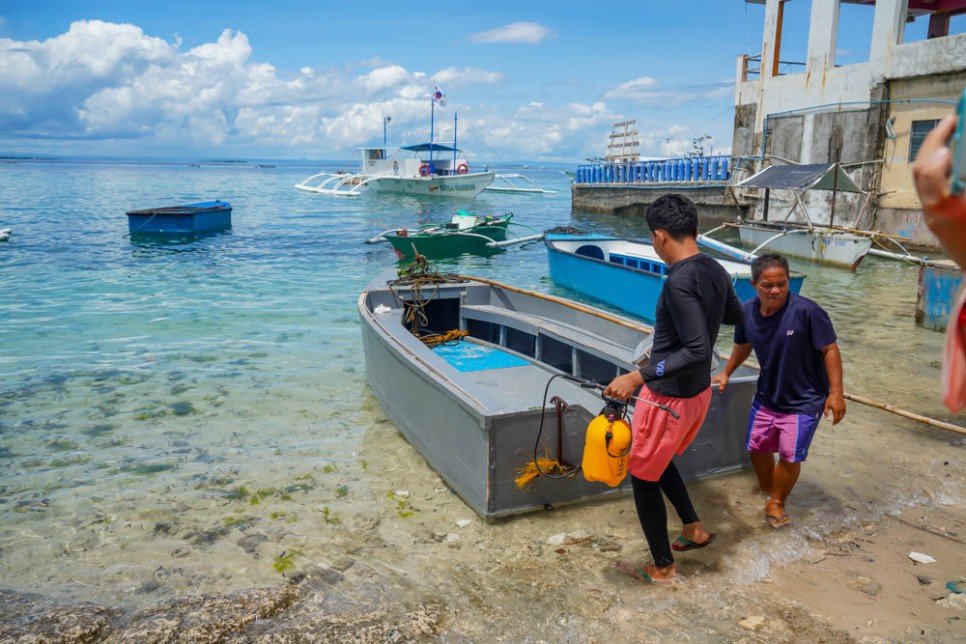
(466, 356)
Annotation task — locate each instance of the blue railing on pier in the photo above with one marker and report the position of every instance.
(710, 169)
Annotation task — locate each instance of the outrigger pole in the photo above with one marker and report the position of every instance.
(454, 140)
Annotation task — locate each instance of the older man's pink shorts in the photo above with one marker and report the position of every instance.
(659, 436)
(788, 434)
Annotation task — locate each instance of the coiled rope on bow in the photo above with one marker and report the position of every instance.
(417, 276)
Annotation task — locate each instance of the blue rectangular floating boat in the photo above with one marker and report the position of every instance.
(627, 273)
(190, 219)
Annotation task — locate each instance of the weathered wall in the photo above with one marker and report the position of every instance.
(785, 140)
(910, 103)
(855, 114)
(715, 204)
(745, 142)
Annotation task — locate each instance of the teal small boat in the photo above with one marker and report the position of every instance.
(464, 233)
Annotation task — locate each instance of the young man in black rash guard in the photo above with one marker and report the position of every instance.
(696, 299)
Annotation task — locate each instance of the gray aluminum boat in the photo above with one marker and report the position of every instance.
(472, 407)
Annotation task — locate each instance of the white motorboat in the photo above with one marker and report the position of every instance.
(383, 170)
(434, 169)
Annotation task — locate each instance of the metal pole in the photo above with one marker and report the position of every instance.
(835, 187)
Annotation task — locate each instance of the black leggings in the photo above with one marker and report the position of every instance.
(653, 514)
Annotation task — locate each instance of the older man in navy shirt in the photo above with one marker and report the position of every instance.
(800, 381)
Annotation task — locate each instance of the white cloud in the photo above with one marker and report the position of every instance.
(537, 130)
(104, 85)
(527, 33)
(646, 90)
(467, 76)
(633, 89)
(385, 78)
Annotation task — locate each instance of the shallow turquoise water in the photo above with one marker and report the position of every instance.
(149, 390)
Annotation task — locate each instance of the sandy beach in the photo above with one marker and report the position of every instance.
(432, 571)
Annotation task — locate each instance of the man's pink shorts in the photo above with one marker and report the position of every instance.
(658, 436)
(788, 434)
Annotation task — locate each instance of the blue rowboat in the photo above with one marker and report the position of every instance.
(627, 273)
(189, 219)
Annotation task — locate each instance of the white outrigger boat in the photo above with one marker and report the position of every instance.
(435, 169)
(384, 171)
(825, 244)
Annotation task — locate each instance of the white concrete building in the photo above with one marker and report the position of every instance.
(870, 116)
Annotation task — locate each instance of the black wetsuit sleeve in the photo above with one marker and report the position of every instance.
(689, 320)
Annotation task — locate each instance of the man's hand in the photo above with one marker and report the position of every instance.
(835, 403)
(623, 387)
(721, 380)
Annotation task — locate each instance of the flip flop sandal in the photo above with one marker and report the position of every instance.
(640, 574)
(683, 545)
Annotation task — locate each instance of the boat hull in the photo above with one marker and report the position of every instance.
(190, 219)
(822, 245)
(461, 185)
(477, 425)
(596, 267)
(449, 244)
(939, 282)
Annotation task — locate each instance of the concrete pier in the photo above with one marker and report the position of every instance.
(715, 202)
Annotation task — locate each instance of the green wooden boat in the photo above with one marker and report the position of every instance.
(464, 233)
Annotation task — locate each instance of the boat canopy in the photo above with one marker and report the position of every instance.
(426, 147)
(816, 176)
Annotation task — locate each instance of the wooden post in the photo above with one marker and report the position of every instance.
(778, 39)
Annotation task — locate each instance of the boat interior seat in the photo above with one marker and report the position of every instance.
(538, 326)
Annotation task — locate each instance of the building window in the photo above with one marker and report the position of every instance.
(919, 131)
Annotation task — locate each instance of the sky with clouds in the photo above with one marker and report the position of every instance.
(315, 80)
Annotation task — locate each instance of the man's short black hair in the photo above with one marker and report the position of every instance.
(674, 214)
(769, 260)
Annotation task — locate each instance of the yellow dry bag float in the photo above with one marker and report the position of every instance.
(607, 446)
